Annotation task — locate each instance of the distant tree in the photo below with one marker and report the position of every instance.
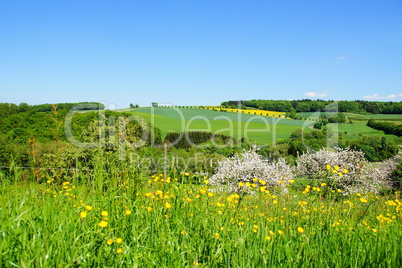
(154, 104)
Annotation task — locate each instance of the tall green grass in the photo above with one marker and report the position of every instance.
(179, 222)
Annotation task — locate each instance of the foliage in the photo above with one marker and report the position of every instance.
(251, 170)
(387, 127)
(351, 173)
(307, 105)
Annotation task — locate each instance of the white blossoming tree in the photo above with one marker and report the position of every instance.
(249, 168)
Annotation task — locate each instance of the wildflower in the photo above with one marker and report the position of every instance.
(328, 167)
(119, 240)
(167, 205)
(363, 200)
(103, 224)
(203, 191)
(83, 214)
(300, 229)
(336, 167)
(128, 212)
(119, 250)
(323, 184)
(89, 208)
(109, 242)
(149, 209)
(104, 213)
(241, 184)
(345, 171)
(183, 232)
(280, 232)
(217, 236)
(271, 233)
(292, 181)
(374, 230)
(196, 263)
(210, 194)
(268, 237)
(280, 182)
(206, 181)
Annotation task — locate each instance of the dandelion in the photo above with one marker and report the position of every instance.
(328, 167)
(149, 209)
(217, 236)
(323, 184)
(109, 242)
(300, 229)
(241, 184)
(203, 191)
(119, 250)
(119, 240)
(83, 214)
(183, 232)
(104, 213)
(103, 224)
(280, 232)
(89, 208)
(196, 263)
(210, 194)
(268, 237)
(167, 205)
(292, 181)
(363, 200)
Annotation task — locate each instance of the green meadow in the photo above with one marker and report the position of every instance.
(260, 129)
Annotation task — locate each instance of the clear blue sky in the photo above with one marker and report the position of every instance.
(199, 52)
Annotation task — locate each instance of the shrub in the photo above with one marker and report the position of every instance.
(347, 170)
(249, 168)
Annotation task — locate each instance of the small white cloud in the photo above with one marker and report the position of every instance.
(378, 97)
(342, 58)
(315, 95)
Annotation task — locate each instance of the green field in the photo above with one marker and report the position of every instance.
(260, 129)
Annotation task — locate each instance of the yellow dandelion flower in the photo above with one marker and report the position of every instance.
(323, 184)
(206, 181)
(268, 237)
(280, 232)
(271, 233)
(336, 167)
(345, 171)
(217, 236)
(300, 229)
(196, 263)
(83, 214)
(183, 232)
(292, 181)
(149, 209)
(128, 212)
(203, 191)
(280, 182)
(103, 224)
(210, 194)
(119, 250)
(328, 167)
(104, 213)
(241, 184)
(374, 230)
(119, 240)
(109, 242)
(167, 205)
(363, 200)
(89, 208)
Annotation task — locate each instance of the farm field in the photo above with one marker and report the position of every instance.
(261, 129)
(115, 220)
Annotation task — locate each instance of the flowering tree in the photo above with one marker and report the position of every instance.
(249, 168)
(346, 169)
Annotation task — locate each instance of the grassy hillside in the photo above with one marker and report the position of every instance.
(261, 129)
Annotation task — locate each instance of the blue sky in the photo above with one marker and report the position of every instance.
(197, 52)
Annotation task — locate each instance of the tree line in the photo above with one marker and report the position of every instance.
(387, 127)
(308, 105)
